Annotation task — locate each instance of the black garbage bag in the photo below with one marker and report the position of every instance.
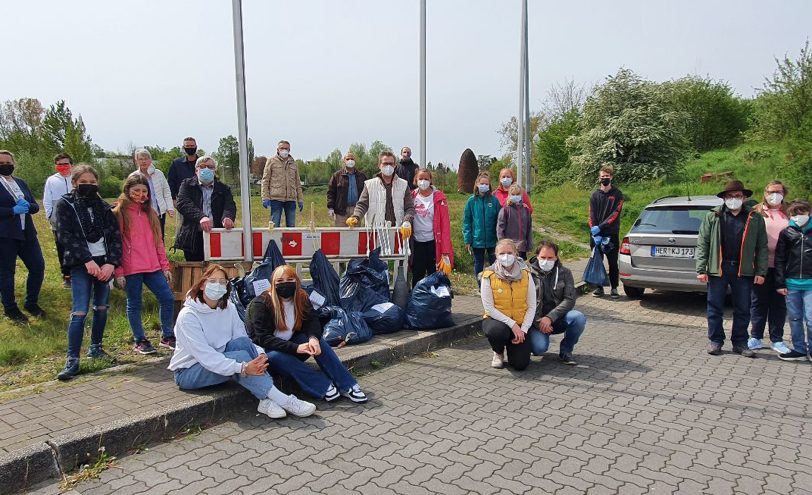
(237, 296)
(384, 318)
(595, 272)
(365, 283)
(325, 281)
(430, 304)
(260, 277)
(345, 328)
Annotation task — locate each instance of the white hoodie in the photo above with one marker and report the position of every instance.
(202, 334)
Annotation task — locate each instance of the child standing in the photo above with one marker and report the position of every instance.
(515, 221)
(793, 278)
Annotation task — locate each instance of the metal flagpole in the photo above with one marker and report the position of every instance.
(527, 131)
(422, 83)
(520, 120)
(242, 130)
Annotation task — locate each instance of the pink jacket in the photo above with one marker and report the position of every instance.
(140, 254)
(442, 226)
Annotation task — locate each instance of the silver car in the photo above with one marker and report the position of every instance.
(659, 250)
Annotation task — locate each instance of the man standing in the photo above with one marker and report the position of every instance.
(344, 190)
(605, 206)
(56, 186)
(281, 187)
(407, 168)
(183, 167)
(385, 197)
(205, 203)
(731, 251)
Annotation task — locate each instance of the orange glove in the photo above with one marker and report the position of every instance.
(444, 265)
(406, 230)
(352, 221)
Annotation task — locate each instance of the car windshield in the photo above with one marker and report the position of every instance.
(671, 220)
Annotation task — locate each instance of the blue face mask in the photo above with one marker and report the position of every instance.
(506, 181)
(516, 199)
(206, 175)
(483, 188)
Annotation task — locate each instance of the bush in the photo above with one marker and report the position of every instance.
(110, 187)
(552, 153)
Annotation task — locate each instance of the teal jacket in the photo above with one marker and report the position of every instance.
(479, 221)
(754, 253)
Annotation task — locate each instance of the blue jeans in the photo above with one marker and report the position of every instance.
(314, 382)
(83, 286)
(575, 325)
(241, 350)
(290, 212)
(30, 254)
(156, 282)
(799, 308)
(479, 259)
(740, 288)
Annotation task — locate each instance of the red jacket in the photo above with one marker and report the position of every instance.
(502, 195)
(139, 253)
(442, 226)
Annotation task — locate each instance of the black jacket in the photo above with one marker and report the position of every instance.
(179, 171)
(69, 233)
(10, 227)
(260, 323)
(564, 292)
(604, 211)
(407, 171)
(190, 206)
(793, 255)
(338, 187)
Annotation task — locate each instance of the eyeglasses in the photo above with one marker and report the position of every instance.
(221, 281)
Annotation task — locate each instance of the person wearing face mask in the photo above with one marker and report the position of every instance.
(343, 190)
(793, 278)
(160, 195)
(509, 299)
(213, 348)
(18, 239)
(507, 177)
(516, 222)
(183, 167)
(605, 206)
(205, 203)
(479, 223)
(555, 300)
(385, 198)
(281, 187)
(56, 186)
(88, 229)
(406, 169)
(283, 322)
(432, 248)
(143, 262)
(731, 251)
(767, 306)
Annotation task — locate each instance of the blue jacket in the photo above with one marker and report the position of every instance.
(10, 227)
(179, 171)
(479, 221)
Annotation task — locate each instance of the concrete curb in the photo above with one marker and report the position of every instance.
(23, 468)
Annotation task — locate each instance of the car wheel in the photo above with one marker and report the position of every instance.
(633, 292)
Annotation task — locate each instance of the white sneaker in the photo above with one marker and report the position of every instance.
(331, 394)
(298, 407)
(780, 347)
(754, 344)
(497, 361)
(271, 409)
(355, 394)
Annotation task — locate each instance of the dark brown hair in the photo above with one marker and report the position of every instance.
(63, 156)
(798, 206)
(196, 292)
(547, 244)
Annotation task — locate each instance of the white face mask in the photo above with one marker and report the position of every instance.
(506, 181)
(800, 220)
(733, 203)
(284, 153)
(350, 163)
(507, 260)
(546, 265)
(423, 184)
(483, 188)
(775, 199)
(214, 291)
(151, 170)
(388, 170)
(516, 199)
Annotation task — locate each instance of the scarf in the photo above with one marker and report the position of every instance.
(92, 223)
(512, 274)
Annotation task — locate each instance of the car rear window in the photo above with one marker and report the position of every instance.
(671, 220)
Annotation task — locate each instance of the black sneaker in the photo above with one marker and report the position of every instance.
(356, 395)
(744, 351)
(71, 369)
(14, 314)
(96, 352)
(144, 347)
(331, 394)
(792, 355)
(566, 358)
(35, 310)
(613, 294)
(714, 348)
(168, 342)
(598, 292)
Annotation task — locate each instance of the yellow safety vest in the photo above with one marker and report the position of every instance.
(509, 297)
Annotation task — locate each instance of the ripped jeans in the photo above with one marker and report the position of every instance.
(82, 287)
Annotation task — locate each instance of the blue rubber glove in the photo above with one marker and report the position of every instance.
(595, 230)
(266, 203)
(20, 209)
(301, 205)
(597, 240)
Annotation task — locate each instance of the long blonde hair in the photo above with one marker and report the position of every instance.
(122, 213)
(300, 299)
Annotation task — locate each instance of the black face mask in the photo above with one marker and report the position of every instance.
(606, 182)
(87, 190)
(285, 290)
(190, 151)
(6, 169)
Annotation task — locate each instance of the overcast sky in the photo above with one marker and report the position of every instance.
(324, 73)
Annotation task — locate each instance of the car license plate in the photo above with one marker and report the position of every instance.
(672, 252)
